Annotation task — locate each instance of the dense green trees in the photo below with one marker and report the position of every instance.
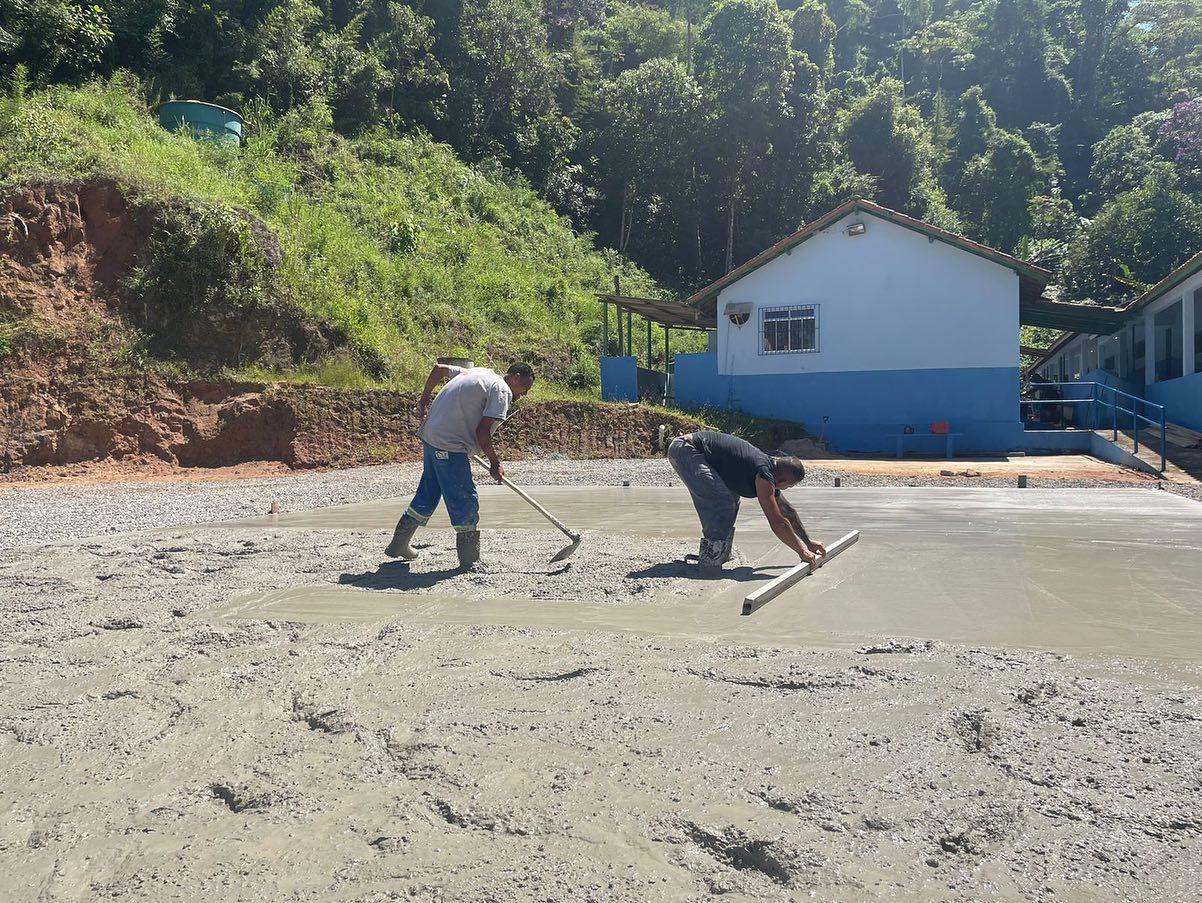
(53, 39)
(651, 115)
(689, 134)
(1136, 239)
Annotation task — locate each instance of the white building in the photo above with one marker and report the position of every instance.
(1155, 354)
(866, 325)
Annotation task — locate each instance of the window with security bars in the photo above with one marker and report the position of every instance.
(789, 329)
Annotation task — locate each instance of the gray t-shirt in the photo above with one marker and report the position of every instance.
(467, 398)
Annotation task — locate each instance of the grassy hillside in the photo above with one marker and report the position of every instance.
(393, 240)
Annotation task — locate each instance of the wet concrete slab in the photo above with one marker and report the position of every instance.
(1100, 572)
(643, 511)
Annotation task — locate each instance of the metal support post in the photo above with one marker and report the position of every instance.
(1163, 440)
(669, 382)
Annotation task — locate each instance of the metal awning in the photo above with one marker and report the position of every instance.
(1039, 353)
(665, 313)
(1091, 319)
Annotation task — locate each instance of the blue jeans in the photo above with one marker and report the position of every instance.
(448, 476)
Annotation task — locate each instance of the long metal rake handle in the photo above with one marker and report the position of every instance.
(570, 534)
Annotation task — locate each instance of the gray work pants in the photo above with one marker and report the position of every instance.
(717, 507)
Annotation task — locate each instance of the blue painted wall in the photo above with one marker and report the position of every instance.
(698, 383)
(1057, 440)
(864, 407)
(619, 379)
(1182, 399)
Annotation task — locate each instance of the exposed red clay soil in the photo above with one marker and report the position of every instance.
(76, 402)
(220, 426)
(65, 248)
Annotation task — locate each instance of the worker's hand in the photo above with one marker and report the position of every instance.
(497, 471)
(817, 548)
(423, 405)
(811, 558)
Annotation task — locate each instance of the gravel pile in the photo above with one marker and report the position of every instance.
(35, 516)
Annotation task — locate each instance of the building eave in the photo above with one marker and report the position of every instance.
(672, 314)
(1090, 319)
(1167, 284)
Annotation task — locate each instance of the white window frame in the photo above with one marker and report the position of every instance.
(804, 312)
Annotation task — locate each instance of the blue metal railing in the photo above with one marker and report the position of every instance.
(1138, 410)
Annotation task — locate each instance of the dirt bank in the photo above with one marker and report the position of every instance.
(82, 373)
(113, 305)
(208, 424)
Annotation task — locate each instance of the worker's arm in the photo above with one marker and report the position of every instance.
(794, 519)
(437, 375)
(800, 530)
(765, 491)
(790, 514)
(484, 440)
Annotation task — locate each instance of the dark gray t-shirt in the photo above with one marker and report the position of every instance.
(735, 460)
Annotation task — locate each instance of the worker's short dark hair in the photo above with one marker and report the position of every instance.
(523, 370)
(794, 465)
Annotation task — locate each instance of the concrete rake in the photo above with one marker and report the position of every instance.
(568, 550)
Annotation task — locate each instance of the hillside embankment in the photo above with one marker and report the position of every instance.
(93, 373)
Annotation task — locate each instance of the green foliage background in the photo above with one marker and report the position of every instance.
(686, 135)
(393, 240)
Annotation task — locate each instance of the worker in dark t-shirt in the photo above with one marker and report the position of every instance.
(720, 470)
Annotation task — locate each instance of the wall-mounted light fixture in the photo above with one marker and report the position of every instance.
(738, 312)
(856, 229)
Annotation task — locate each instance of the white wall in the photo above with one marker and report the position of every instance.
(1143, 324)
(889, 299)
(1184, 293)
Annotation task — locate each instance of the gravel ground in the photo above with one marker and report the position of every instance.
(159, 741)
(35, 516)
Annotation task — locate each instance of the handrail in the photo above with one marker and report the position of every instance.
(1096, 397)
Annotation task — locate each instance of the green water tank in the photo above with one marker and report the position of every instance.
(205, 120)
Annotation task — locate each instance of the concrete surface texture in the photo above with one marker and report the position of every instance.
(995, 694)
(1110, 572)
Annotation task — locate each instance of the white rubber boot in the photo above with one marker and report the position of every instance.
(399, 547)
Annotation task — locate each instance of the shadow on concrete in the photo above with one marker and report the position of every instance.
(397, 575)
(675, 569)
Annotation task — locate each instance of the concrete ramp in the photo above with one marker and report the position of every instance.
(1183, 451)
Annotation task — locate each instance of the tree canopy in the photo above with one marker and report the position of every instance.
(689, 134)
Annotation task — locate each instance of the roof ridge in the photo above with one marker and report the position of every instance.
(871, 207)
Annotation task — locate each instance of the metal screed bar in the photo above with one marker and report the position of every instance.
(778, 585)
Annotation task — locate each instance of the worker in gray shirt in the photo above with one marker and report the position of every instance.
(459, 423)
